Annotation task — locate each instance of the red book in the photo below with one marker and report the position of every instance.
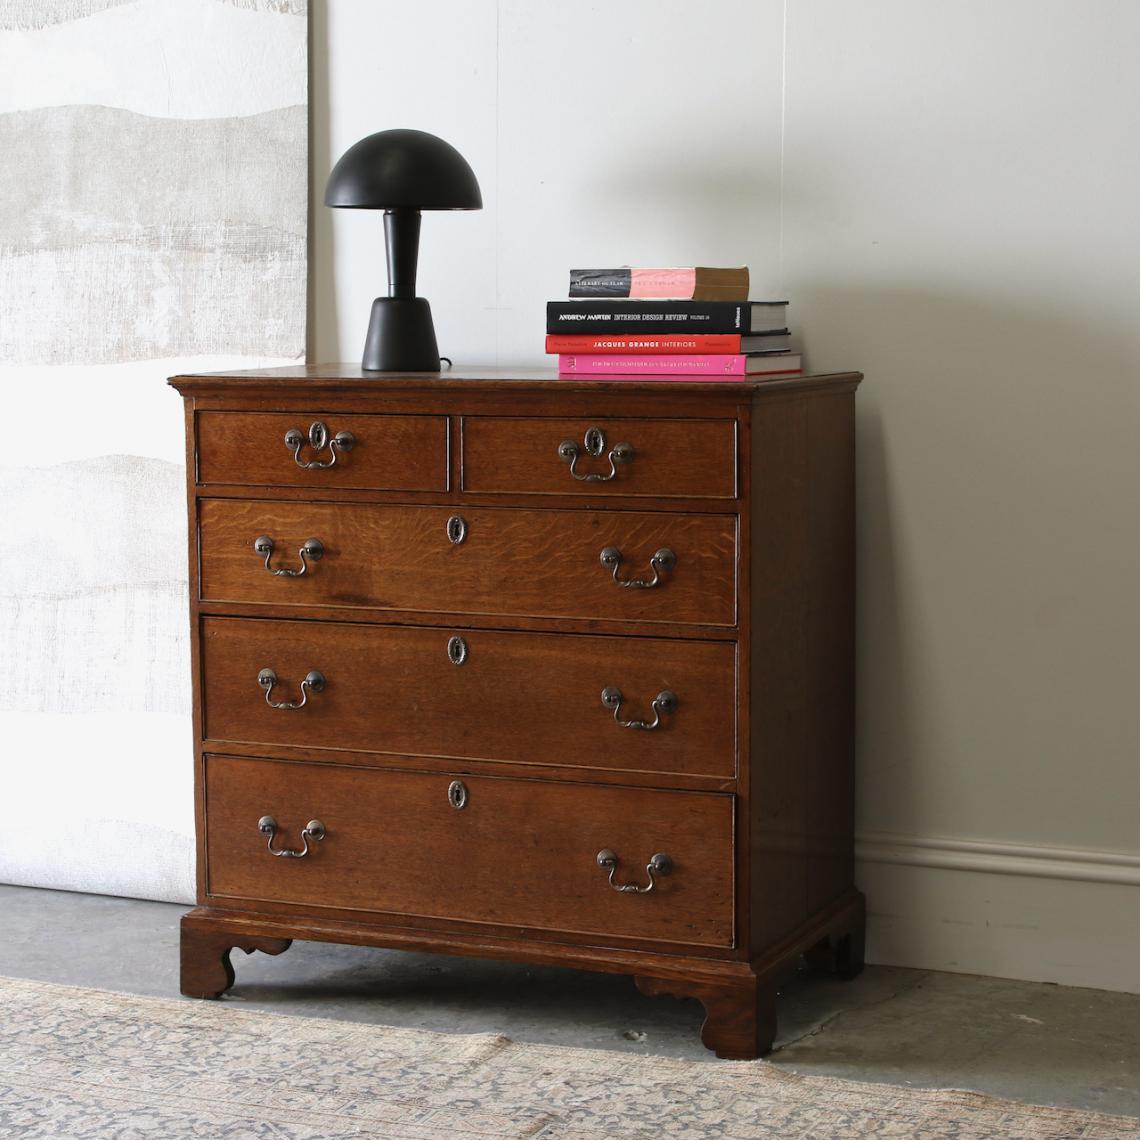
(703, 367)
(717, 344)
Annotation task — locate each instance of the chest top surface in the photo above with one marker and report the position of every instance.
(517, 382)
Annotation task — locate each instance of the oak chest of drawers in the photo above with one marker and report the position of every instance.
(503, 665)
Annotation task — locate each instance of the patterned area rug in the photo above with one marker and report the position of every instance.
(85, 1063)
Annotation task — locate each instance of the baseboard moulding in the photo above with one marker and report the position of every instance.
(1037, 913)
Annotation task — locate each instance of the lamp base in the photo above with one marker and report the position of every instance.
(401, 337)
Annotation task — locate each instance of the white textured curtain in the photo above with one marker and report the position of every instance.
(153, 212)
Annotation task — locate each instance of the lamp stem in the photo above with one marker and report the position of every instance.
(402, 245)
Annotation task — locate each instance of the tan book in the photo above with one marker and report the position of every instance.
(691, 283)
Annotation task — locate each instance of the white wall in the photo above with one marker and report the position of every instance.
(947, 195)
(960, 216)
(588, 145)
(152, 221)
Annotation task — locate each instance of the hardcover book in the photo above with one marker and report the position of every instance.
(715, 344)
(690, 283)
(740, 317)
(691, 365)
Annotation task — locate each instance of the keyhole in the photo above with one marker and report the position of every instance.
(456, 529)
(457, 794)
(595, 441)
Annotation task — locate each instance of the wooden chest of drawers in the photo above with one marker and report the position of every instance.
(546, 670)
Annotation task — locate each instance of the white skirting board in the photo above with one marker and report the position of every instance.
(1048, 914)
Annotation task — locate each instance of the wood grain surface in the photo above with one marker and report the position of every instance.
(523, 563)
(671, 458)
(407, 453)
(802, 662)
(520, 697)
(747, 785)
(520, 853)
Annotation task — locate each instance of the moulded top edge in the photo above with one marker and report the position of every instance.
(536, 381)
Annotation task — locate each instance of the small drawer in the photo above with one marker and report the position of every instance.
(525, 698)
(506, 852)
(602, 565)
(323, 450)
(660, 458)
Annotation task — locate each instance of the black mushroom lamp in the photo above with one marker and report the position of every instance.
(402, 172)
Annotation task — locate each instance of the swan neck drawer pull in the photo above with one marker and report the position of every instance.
(664, 703)
(314, 830)
(312, 550)
(594, 444)
(319, 439)
(313, 682)
(661, 563)
(660, 864)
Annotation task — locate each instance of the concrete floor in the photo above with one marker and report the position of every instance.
(1039, 1043)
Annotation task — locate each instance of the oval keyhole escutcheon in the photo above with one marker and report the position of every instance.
(456, 529)
(457, 650)
(318, 435)
(457, 794)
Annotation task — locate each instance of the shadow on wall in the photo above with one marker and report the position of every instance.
(323, 336)
(998, 556)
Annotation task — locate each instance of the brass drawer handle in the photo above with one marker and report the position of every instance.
(664, 702)
(594, 444)
(318, 440)
(313, 682)
(661, 563)
(312, 550)
(660, 864)
(314, 830)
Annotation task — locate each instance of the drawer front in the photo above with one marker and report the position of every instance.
(386, 453)
(520, 853)
(666, 458)
(517, 562)
(515, 697)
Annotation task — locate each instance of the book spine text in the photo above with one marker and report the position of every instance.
(576, 364)
(713, 343)
(590, 317)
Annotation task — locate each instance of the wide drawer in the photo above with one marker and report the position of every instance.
(660, 458)
(385, 453)
(473, 561)
(477, 694)
(519, 853)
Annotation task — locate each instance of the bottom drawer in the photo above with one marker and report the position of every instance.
(509, 852)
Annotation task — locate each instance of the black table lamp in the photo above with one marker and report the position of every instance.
(402, 173)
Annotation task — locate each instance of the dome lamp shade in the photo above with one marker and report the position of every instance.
(402, 172)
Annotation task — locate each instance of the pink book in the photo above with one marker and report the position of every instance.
(688, 365)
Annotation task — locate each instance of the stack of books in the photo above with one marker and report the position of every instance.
(695, 323)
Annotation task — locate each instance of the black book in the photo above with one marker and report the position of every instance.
(744, 317)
